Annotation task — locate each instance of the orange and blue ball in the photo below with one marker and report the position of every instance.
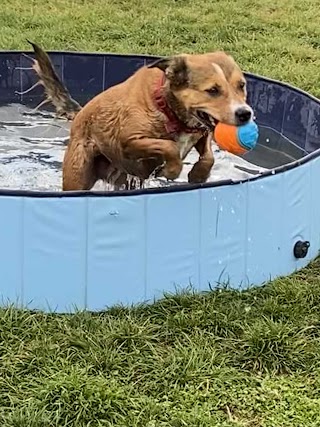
(236, 139)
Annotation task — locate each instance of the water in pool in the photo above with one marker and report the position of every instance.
(32, 147)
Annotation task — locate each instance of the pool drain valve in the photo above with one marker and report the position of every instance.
(300, 249)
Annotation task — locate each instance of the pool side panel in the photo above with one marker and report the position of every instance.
(54, 254)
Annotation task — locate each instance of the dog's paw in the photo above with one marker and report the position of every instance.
(172, 171)
(199, 173)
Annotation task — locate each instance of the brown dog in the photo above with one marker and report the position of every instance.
(149, 123)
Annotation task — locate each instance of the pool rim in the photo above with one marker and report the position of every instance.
(165, 189)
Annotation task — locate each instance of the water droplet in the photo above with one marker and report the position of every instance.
(221, 208)
(273, 172)
(249, 239)
(267, 140)
(219, 262)
(233, 211)
(114, 213)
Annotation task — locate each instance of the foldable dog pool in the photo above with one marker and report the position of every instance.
(88, 250)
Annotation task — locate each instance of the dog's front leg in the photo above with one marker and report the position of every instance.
(201, 169)
(164, 149)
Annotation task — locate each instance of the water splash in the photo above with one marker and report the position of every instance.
(32, 148)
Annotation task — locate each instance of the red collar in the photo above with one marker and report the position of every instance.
(173, 124)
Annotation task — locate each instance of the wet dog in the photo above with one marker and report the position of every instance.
(149, 123)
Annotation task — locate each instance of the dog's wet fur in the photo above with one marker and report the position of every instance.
(122, 131)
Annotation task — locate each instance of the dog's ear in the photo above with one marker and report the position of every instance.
(161, 63)
(175, 68)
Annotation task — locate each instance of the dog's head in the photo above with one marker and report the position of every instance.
(206, 88)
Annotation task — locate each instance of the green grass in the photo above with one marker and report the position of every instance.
(222, 358)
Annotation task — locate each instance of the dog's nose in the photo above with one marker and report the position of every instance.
(243, 115)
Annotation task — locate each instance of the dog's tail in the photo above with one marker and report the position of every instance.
(55, 91)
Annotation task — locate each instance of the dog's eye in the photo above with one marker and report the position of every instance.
(213, 91)
(241, 85)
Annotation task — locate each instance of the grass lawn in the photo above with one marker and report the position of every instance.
(218, 359)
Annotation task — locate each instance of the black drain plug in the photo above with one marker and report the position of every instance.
(300, 249)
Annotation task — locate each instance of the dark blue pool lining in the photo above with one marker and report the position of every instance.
(289, 96)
